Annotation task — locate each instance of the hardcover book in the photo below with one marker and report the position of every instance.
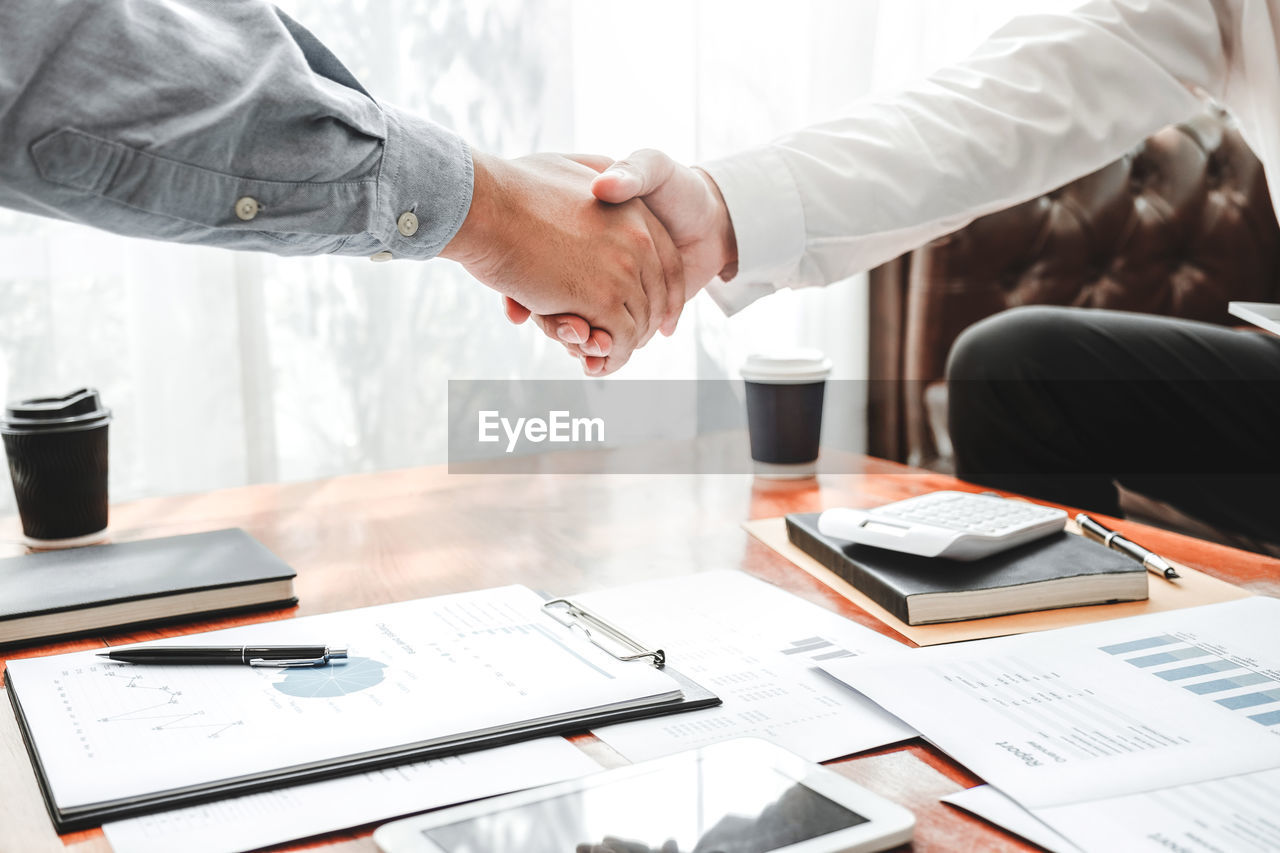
(62, 593)
(1061, 570)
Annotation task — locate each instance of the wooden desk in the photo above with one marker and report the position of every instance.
(376, 538)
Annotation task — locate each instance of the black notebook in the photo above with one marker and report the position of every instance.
(1062, 570)
(62, 593)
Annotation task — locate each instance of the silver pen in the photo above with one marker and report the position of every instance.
(1153, 562)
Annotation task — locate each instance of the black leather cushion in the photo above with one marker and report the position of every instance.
(1180, 226)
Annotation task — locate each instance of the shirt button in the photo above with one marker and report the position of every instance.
(407, 223)
(380, 257)
(247, 208)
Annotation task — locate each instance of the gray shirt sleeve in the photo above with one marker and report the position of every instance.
(221, 122)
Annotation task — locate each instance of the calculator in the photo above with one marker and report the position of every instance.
(954, 525)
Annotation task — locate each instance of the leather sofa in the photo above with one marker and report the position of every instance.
(1180, 226)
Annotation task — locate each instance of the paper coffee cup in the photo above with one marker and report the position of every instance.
(785, 391)
(57, 453)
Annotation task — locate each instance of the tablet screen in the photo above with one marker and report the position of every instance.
(693, 807)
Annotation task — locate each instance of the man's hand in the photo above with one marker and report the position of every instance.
(686, 201)
(536, 234)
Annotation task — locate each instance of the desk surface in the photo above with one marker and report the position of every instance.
(370, 539)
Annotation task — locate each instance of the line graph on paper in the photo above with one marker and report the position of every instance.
(162, 708)
(108, 707)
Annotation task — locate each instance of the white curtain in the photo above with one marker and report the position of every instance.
(228, 368)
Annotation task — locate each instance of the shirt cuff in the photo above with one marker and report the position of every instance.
(424, 187)
(767, 213)
(734, 295)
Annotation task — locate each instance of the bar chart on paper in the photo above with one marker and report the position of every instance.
(1236, 684)
(816, 649)
(1101, 710)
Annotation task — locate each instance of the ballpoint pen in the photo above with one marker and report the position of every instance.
(313, 655)
(1154, 563)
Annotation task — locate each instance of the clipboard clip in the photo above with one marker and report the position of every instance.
(626, 648)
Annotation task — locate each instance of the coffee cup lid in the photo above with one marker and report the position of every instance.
(80, 409)
(786, 367)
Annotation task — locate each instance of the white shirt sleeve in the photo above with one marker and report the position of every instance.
(1046, 99)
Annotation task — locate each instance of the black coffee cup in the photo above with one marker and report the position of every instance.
(784, 411)
(57, 451)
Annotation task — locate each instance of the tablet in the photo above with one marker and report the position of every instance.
(739, 796)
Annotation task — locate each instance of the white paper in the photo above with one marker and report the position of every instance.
(757, 647)
(1098, 711)
(991, 805)
(1239, 814)
(287, 814)
(419, 671)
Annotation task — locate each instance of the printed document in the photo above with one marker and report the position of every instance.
(1240, 813)
(758, 648)
(1157, 732)
(1237, 813)
(274, 817)
(992, 806)
(419, 672)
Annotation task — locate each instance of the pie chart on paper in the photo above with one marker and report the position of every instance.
(323, 682)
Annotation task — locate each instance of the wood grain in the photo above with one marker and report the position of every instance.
(375, 538)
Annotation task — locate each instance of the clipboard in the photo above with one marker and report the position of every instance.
(572, 616)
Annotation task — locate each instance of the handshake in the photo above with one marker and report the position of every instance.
(601, 254)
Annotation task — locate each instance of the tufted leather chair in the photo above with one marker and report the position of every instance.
(1180, 226)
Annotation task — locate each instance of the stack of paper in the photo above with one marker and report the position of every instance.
(758, 645)
(758, 648)
(1153, 733)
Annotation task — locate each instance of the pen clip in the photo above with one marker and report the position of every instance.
(288, 663)
(577, 616)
